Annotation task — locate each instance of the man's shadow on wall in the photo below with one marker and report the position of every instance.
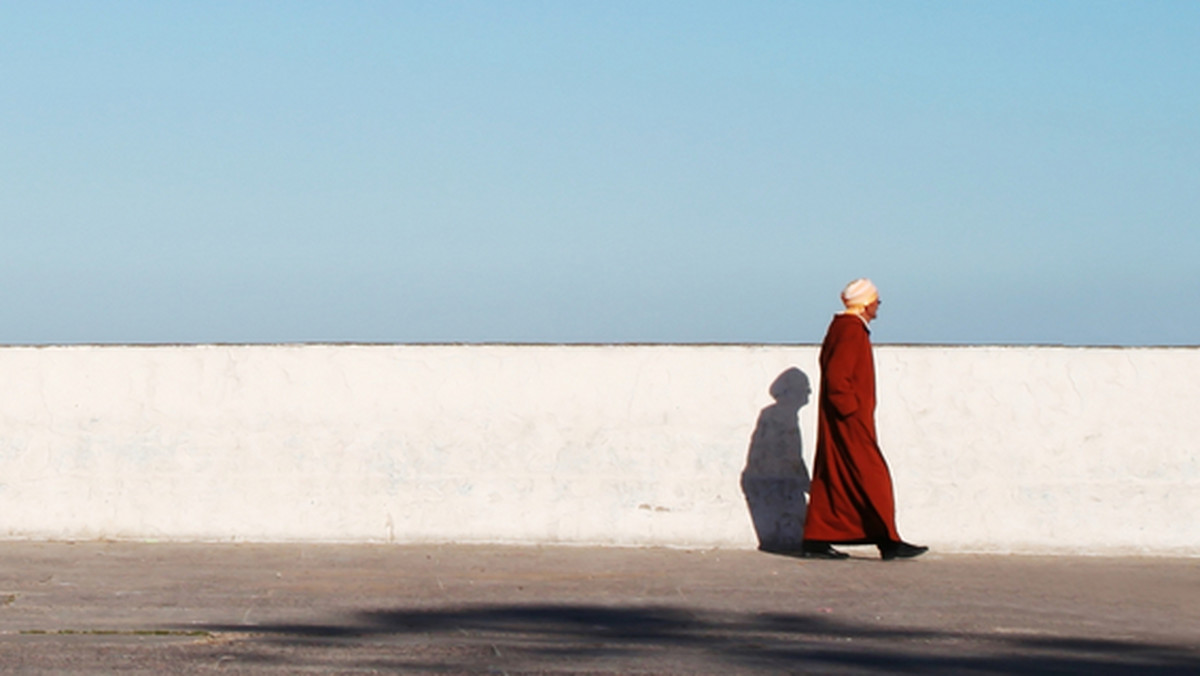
(776, 479)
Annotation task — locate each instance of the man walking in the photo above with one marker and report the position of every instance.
(851, 500)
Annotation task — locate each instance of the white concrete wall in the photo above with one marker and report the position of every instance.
(992, 449)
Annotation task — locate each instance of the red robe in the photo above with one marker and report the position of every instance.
(851, 496)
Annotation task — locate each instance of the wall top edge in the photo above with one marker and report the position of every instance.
(938, 346)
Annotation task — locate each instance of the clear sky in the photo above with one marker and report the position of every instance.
(579, 171)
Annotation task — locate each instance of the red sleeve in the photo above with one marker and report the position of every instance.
(844, 352)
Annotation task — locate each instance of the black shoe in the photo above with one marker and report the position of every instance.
(821, 550)
(900, 550)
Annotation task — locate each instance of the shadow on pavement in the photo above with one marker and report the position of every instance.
(678, 640)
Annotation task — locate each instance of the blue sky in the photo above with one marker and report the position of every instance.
(261, 172)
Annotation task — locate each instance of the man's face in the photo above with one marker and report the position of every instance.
(872, 311)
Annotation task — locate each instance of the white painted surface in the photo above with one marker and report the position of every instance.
(992, 449)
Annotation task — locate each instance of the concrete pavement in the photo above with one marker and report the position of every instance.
(333, 609)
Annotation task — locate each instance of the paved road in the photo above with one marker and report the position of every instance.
(333, 609)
